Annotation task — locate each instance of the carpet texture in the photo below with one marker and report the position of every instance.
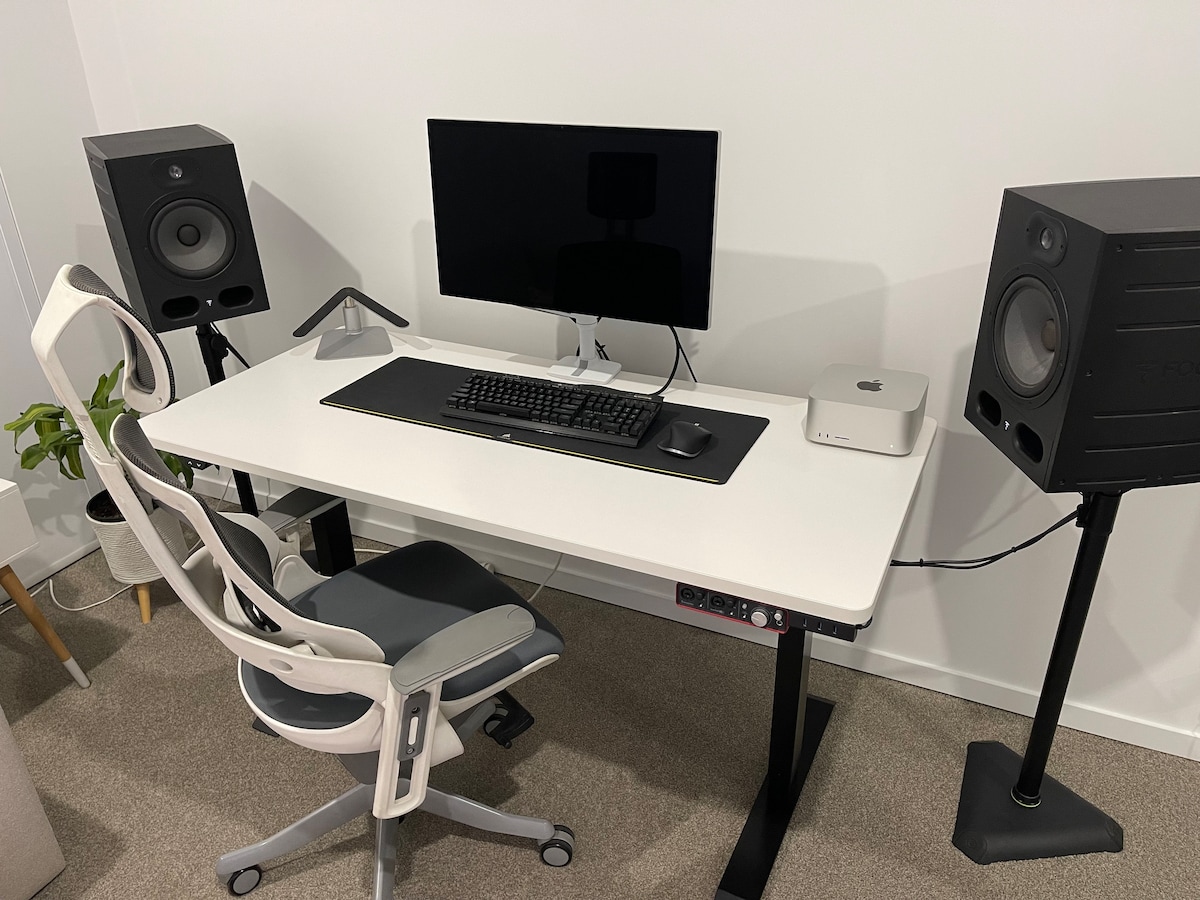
(650, 743)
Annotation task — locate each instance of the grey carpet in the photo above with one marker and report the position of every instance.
(650, 744)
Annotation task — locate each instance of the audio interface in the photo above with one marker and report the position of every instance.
(759, 615)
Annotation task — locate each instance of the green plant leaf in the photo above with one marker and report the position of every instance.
(105, 386)
(54, 442)
(59, 438)
(74, 468)
(31, 456)
(103, 417)
(37, 413)
(63, 446)
(47, 425)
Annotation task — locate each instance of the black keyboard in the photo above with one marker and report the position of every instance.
(534, 404)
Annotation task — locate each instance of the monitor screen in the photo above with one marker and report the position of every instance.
(601, 221)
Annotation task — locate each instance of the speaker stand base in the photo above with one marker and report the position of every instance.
(342, 344)
(992, 827)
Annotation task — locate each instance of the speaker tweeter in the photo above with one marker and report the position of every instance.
(1047, 238)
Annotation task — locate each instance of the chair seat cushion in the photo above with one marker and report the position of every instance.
(398, 599)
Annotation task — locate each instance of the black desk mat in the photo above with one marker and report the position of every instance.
(413, 390)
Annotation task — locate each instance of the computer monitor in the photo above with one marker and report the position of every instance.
(586, 221)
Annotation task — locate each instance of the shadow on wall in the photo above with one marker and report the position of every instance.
(997, 622)
(301, 269)
(479, 324)
(803, 314)
(800, 314)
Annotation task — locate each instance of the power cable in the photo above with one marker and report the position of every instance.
(982, 561)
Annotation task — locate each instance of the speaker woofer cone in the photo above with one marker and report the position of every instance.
(1029, 336)
(192, 238)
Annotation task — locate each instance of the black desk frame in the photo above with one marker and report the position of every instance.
(798, 723)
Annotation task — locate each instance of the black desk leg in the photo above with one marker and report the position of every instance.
(332, 540)
(797, 723)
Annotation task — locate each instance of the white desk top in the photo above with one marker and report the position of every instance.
(799, 525)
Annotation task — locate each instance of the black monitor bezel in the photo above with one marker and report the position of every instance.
(696, 324)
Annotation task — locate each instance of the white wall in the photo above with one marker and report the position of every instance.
(864, 150)
(48, 218)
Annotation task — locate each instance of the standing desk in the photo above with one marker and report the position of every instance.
(804, 527)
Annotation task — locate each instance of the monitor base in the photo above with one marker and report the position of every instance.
(590, 371)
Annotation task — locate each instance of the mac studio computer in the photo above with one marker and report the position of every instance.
(588, 222)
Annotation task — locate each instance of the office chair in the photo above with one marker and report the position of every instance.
(389, 665)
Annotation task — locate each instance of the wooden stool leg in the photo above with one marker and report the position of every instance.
(143, 596)
(12, 584)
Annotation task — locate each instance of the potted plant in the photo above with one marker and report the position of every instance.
(60, 440)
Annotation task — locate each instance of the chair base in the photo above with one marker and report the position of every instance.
(358, 801)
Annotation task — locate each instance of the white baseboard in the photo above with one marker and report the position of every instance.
(654, 596)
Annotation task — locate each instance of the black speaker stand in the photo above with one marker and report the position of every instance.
(1006, 814)
(213, 350)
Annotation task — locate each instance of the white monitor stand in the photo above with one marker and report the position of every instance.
(587, 366)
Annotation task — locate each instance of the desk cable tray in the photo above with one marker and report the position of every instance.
(413, 390)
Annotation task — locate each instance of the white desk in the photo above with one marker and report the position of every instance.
(800, 526)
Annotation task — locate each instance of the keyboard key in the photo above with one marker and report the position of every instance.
(592, 414)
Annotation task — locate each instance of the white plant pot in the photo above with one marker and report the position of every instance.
(127, 559)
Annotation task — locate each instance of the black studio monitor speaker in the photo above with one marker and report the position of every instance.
(176, 213)
(1087, 364)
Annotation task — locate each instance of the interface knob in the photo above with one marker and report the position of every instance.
(758, 617)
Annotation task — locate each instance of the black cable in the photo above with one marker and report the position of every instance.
(679, 346)
(603, 354)
(232, 349)
(982, 561)
(671, 377)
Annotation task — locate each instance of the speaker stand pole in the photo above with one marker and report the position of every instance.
(213, 349)
(1037, 817)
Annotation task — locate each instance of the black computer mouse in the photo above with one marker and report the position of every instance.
(685, 439)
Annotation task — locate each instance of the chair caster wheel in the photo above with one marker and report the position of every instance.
(559, 849)
(244, 881)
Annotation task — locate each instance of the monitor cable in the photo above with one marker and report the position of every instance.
(679, 348)
(679, 351)
(982, 561)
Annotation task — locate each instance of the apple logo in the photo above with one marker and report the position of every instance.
(875, 385)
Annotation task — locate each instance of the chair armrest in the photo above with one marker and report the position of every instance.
(296, 506)
(414, 689)
(461, 646)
